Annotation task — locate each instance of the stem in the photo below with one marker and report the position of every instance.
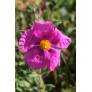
(41, 84)
(57, 82)
(55, 76)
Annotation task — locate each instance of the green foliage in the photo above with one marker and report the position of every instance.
(63, 14)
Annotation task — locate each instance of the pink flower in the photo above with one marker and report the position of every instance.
(42, 43)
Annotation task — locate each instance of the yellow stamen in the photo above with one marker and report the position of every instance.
(45, 44)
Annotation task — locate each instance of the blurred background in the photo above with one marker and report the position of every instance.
(63, 14)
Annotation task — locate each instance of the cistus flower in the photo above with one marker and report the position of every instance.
(42, 43)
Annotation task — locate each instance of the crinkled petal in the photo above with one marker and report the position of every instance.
(27, 40)
(43, 30)
(41, 25)
(35, 58)
(54, 62)
(53, 59)
(60, 40)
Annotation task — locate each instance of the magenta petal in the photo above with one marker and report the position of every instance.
(34, 58)
(53, 59)
(41, 25)
(60, 40)
(65, 41)
(22, 42)
(43, 30)
(27, 40)
(54, 62)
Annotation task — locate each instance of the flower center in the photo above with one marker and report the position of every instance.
(45, 44)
